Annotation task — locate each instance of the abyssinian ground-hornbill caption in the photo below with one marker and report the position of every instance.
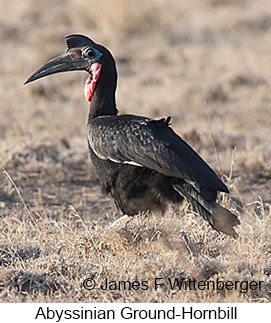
(141, 162)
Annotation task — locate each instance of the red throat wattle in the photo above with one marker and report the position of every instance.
(92, 80)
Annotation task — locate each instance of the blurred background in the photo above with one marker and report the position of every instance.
(194, 60)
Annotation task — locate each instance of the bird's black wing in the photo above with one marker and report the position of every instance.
(140, 141)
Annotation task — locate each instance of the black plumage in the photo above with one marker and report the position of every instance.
(142, 163)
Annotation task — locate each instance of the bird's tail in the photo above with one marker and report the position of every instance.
(218, 217)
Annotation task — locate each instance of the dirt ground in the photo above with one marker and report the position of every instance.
(207, 64)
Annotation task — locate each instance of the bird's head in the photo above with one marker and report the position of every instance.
(82, 54)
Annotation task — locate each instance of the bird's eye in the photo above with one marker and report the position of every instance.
(89, 52)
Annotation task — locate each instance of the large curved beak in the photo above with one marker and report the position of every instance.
(70, 61)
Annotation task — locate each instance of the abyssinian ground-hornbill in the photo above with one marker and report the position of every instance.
(141, 162)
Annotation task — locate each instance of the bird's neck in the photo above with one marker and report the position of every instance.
(103, 100)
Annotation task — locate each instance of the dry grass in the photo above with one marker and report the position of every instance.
(195, 60)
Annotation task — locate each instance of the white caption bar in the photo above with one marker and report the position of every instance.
(146, 312)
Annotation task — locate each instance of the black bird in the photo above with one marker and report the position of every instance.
(141, 162)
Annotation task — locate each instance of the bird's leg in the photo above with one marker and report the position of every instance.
(120, 223)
